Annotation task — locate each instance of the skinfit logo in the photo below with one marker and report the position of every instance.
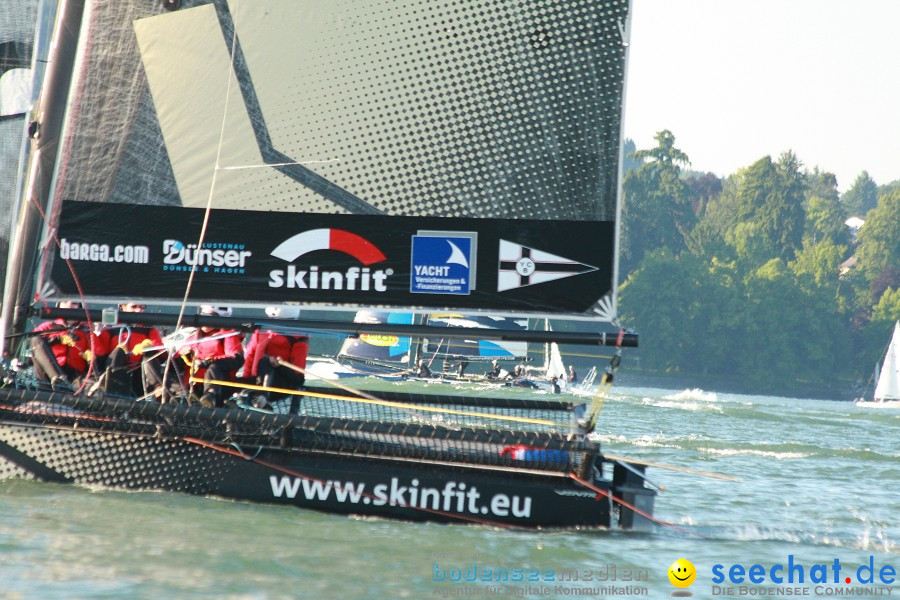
(315, 278)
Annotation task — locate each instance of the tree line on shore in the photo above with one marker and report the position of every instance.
(756, 276)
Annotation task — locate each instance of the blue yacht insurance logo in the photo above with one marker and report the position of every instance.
(443, 262)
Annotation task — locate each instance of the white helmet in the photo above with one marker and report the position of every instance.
(221, 311)
(283, 312)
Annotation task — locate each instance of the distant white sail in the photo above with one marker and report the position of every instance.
(888, 387)
(15, 92)
(556, 368)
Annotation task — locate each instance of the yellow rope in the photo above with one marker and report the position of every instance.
(377, 402)
(657, 465)
(599, 400)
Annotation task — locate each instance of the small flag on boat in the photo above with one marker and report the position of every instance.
(521, 266)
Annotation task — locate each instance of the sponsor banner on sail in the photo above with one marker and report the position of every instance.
(258, 258)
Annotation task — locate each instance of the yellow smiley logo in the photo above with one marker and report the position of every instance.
(682, 573)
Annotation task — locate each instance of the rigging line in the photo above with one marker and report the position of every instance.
(378, 402)
(657, 465)
(284, 164)
(338, 486)
(644, 514)
(209, 199)
(305, 177)
(263, 388)
(436, 350)
(605, 383)
(646, 479)
(33, 333)
(346, 388)
(171, 341)
(87, 315)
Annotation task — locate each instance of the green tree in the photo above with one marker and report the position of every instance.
(822, 184)
(888, 308)
(656, 210)
(783, 215)
(878, 251)
(769, 197)
(683, 307)
(861, 197)
(751, 247)
(753, 289)
(821, 261)
(629, 163)
(825, 221)
(888, 188)
(702, 189)
(655, 301)
(792, 331)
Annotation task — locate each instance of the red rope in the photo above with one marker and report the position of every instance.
(87, 314)
(644, 514)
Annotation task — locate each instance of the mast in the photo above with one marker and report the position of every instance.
(45, 132)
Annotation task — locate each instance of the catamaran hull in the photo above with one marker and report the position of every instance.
(416, 491)
(878, 403)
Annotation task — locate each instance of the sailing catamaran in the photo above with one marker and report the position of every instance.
(887, 388)
(404, 156)
(393, 354)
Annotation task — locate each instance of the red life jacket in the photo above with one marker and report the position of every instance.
(82, 339)
(202, 348)
(292, 349)
(132, 336)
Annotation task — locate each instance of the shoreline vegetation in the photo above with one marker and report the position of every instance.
(629, 377)
(757, 281)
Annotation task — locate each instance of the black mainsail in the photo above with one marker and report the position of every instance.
(464, 158)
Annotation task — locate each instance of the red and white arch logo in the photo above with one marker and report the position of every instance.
(314, 278)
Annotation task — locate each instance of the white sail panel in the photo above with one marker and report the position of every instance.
(188, 66)
(888, 387)
(15, 92)
(555, 366)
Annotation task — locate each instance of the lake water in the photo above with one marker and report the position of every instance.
(819, 482)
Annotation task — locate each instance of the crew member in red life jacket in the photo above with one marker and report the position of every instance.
(124, 368)
(67, 351)
(267, 349)
(215, 355)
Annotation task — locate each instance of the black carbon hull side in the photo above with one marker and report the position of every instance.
(46, 441)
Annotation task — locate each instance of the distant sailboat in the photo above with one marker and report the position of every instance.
(887, 390)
